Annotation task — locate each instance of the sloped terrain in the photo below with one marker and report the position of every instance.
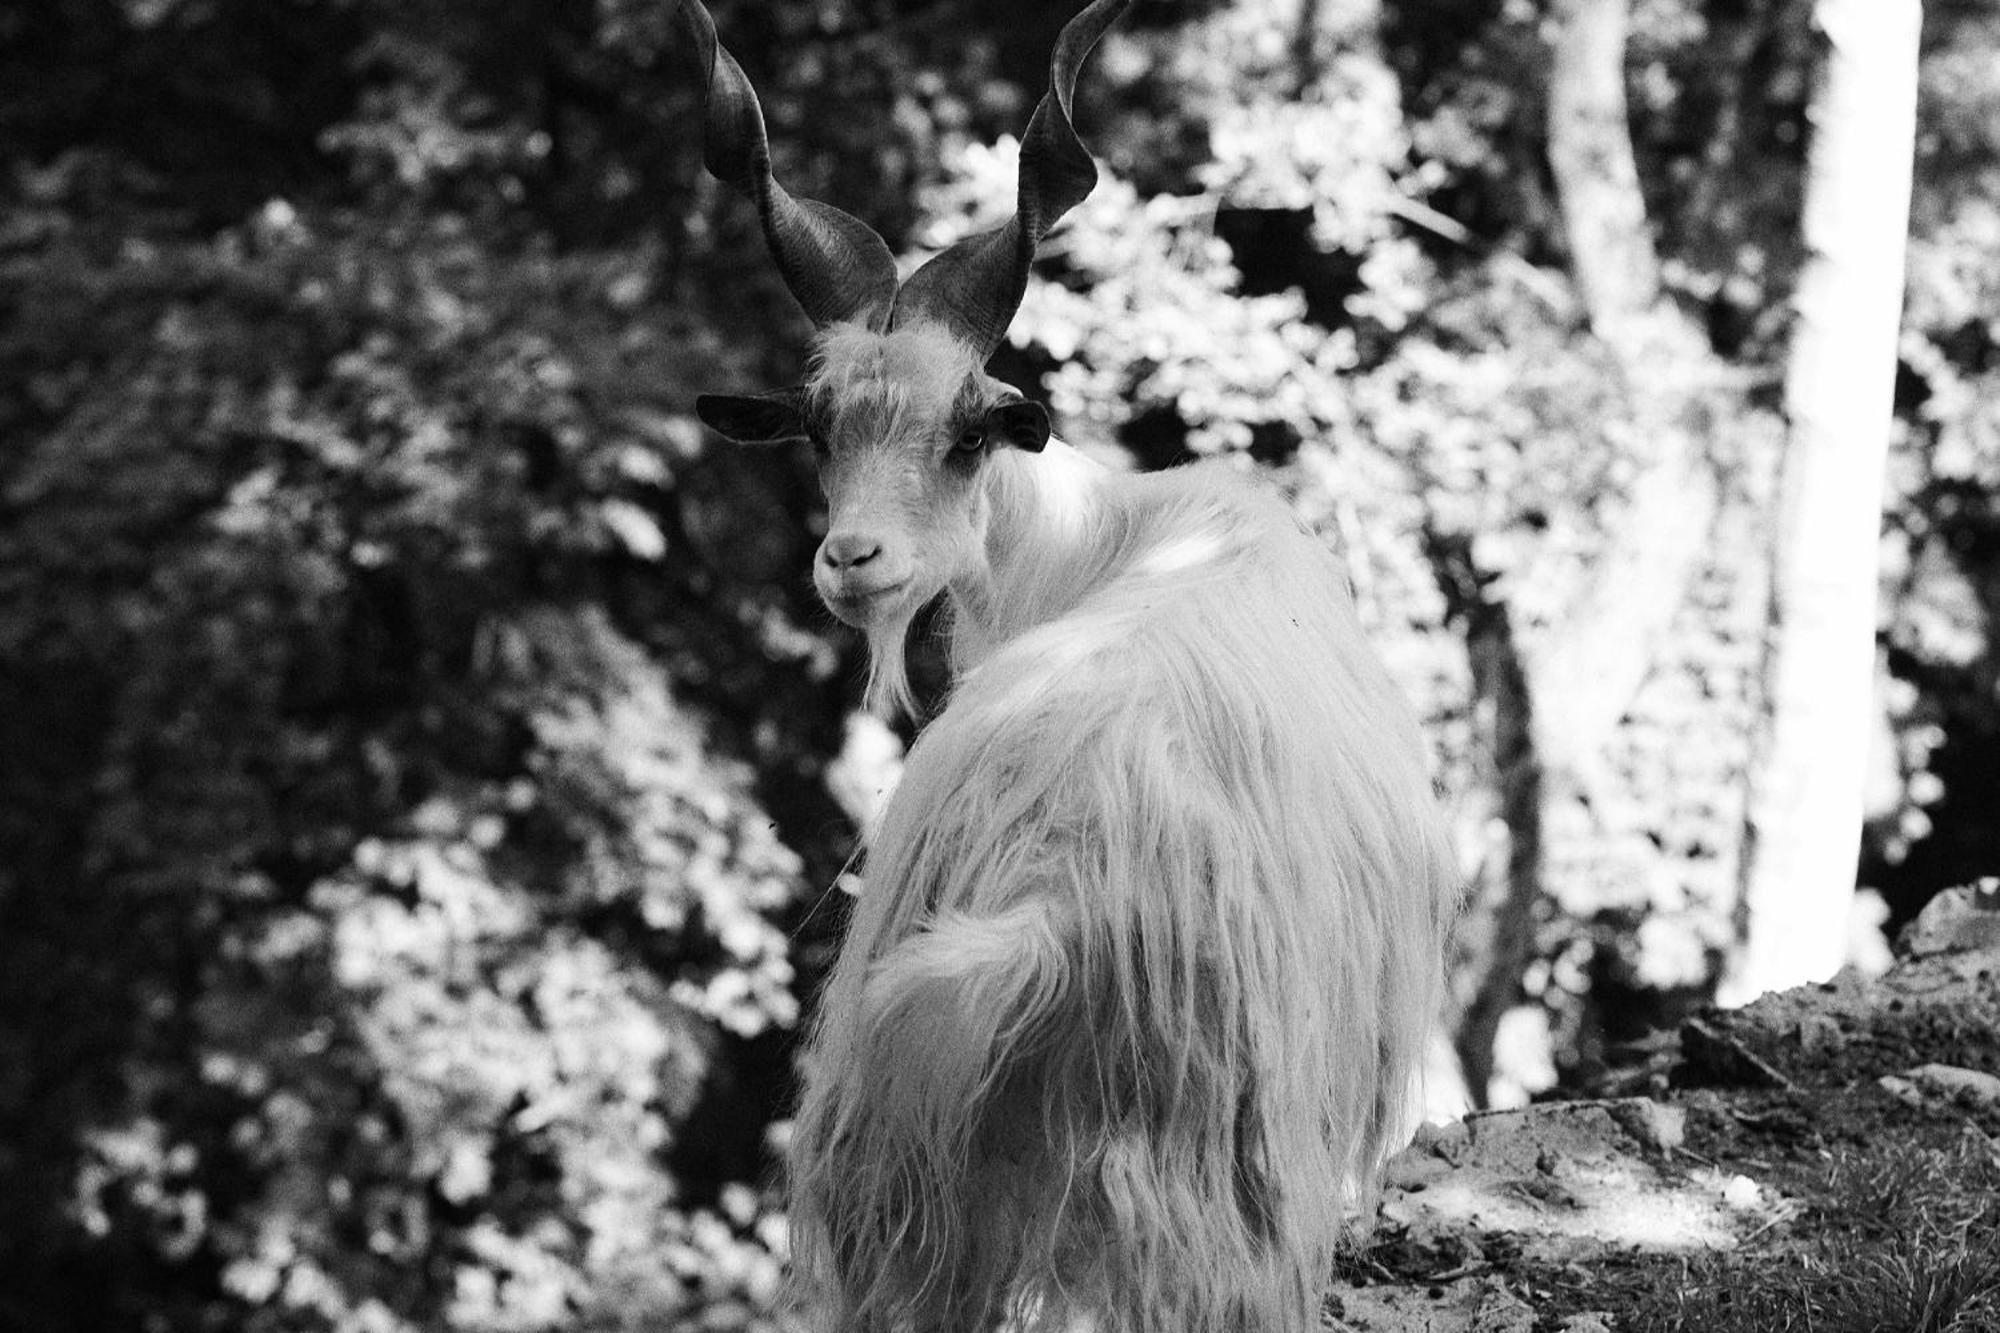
(1825, 1159)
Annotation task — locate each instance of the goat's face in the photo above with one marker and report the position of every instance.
(901, 424)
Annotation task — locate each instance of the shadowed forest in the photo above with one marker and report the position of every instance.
(428, 785)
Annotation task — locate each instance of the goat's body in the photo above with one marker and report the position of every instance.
(1133, 1006)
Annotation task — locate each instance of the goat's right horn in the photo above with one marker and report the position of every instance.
(833, 262)
(975, 287)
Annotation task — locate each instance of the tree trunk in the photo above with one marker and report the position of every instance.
(1498, 935)
(1559, 702)
(1804, 824)
(1597, 180)
(1587, 674)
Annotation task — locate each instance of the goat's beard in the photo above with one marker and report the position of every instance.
(888, 693)
(887, 628)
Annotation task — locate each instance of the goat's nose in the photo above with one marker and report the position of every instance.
(847, 550)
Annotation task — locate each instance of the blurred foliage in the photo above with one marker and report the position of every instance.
(418, 742)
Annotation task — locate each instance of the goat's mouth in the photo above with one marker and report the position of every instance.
(865, 605)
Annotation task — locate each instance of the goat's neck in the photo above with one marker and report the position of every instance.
(1052, 535)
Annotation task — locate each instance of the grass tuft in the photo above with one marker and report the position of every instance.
(1912, 1246)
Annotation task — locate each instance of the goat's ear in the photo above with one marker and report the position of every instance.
(1023, 424)
(760, 418)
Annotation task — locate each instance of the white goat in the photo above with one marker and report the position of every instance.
(1132, 1009)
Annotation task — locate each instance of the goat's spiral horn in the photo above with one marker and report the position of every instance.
(834, 263)
(975, 287)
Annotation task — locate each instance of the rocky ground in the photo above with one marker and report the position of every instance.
(1826, 1159)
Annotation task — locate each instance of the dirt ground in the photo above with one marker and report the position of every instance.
(1826, 1159)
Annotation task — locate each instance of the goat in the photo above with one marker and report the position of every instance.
(1131, 1012)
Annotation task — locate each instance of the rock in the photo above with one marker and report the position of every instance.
(1741, 1192)
(1591, 1322)
(1819, 1034)
(1653, 1125)
(1944, 1083)
(1938, 1007)
(1959, 920)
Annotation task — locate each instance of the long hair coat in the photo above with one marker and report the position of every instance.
(1131, 1010)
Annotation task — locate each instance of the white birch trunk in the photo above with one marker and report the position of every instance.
(1804, 819)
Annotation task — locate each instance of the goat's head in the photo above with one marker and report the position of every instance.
(901, 423)
(898, 407)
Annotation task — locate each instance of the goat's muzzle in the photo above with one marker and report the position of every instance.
(861, 577)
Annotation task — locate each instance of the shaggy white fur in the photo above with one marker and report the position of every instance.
(1132, 1010)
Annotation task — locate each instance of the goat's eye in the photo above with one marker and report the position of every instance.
(970, 440)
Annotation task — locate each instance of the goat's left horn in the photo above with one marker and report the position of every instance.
(834, 263)
(975, 287)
